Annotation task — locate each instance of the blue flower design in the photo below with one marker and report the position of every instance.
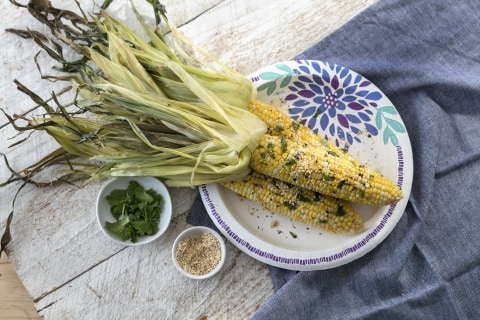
(334, 100)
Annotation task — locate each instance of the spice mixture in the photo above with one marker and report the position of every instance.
(198, 255)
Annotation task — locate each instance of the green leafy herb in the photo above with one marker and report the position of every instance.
(301, 197)
(136, 210)
(327, 178)
(283, 142)
(294, 236)
(290, 162)
(340, 211)
(279, 127)
(342, 183)
(295, 125)
(292, 205)
(332, 153)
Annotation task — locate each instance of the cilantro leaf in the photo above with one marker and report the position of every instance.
(136, 210)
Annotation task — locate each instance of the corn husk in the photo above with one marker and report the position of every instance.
(148, 107)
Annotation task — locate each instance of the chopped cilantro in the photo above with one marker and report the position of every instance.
(332, 153)
(301, 197)
(136, 210)
(294, 236)
(290, 162)
(279, 127)
(283, 142)
(292, 205)
(295, 125)
(327, 178)
(341, 184)
(340, 211)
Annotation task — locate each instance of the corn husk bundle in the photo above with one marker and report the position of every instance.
(144, 108)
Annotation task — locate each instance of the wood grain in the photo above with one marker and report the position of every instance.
(15, 302)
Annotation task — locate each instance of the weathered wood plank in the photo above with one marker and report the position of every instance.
(61, 238)
(15, 303)
(250, 34)
(142, 283)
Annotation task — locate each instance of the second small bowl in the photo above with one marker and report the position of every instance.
(198, 255)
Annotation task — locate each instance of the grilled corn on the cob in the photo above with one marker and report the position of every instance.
(280, 124)
(299, 204)
(293, 153)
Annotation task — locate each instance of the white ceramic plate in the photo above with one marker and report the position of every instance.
(348, 109)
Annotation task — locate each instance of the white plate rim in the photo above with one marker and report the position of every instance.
(282, 257)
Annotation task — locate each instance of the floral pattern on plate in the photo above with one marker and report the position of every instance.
(332, 100)
(348, 109)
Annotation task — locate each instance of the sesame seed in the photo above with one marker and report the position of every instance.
(198, 255)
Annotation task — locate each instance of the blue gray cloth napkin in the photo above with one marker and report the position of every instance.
(425, 56)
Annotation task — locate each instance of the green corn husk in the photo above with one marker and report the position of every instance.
(150, 109)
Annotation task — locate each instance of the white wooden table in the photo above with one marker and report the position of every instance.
(68, 267)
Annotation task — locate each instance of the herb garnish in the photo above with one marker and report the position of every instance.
(340, 211)
(137, 211)
(292, 205)
(283, 143)
(295, 125)
(327, 178)
(290, 162)
(301, 197)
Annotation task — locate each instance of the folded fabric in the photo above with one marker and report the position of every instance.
(425, 56)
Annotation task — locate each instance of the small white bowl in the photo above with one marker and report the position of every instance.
(104, 214)
(189, 233)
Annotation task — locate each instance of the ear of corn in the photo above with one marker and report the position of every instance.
(293, 153)
(305, 206)
(280, 124)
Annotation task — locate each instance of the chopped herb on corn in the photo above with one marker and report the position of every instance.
(293, 153)
(305, 206)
